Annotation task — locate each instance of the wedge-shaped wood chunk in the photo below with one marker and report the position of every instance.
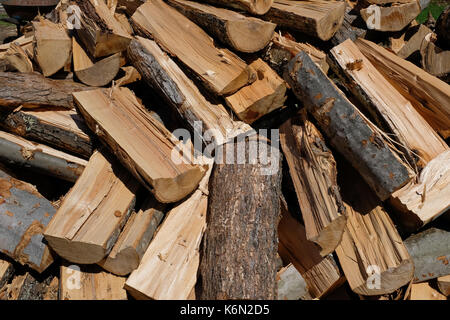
(443, 284)
(348, 130)
(220, 70)
(24, 214)
(60, 128)
(90, 218)
(417, 138)
(133, 240)
(143, 145)
(423, 291)
(313, 171)
(90, 283)
(261, 97)
(53, 47)
(316, 18)
(432, 94)
(162, 74)
(434, 60)
(21, 152)
(168, 270)
(245, 34)
(101, 33)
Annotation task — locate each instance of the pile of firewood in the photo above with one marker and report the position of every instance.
(102, 198)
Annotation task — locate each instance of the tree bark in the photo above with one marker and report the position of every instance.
(240, 244)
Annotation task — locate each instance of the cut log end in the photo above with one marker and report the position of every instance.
(250, 35)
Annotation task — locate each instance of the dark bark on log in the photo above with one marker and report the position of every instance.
(348, 30)
(240, 245)
(348, 131)
(31, 90)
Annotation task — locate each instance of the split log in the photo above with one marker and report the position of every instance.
(416, 137)
(392, 18)
(127, 128)
(423, 291)
(291, 285)
(247, 228)
(25, 42)
(317, 18)
(348, 130)
(52, 46)
(6, 272)
(410, 41)
(32, 90)
(17, 59)
(60, 128)
(163, 75)
(24, 213)
(430, 251)
(412, 81)
(245, 34)
(88, 222)
(263, 96)
(434, 60)
(257, 7)
(322, 275)
(372, 254)
(443, 285)
(100, 32)
(168, 269)
(133, 240)
(282, 49)
(349, 28)
(97, 74)
(24, 153)
(90, 283)
(220, 70)
(424, 200)
(442, 27)
(313, 171)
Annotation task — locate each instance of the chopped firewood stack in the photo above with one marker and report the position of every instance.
(206, 149)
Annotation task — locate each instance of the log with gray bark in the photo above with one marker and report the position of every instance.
(347, 129)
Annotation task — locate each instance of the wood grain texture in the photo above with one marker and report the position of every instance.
(347, 129)
(252, 6)
(88, 222)
(432, 94)
(142, 144)
(435, 60)
(220, 70)
(317, 18)
(241, 33)
(313, 171)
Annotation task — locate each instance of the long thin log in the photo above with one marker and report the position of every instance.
(352, 134)
(89, 220)
(21, 152)
(142, 144)
(417, 138)
(241, 240)
(220, 70)
(24, 213)
(31, 90)
(60, 128)
(163, 75)
(432, 94)
(313, 171)
(252, 6)
(430, 251)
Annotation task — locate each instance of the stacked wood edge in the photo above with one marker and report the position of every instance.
(215, 150)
